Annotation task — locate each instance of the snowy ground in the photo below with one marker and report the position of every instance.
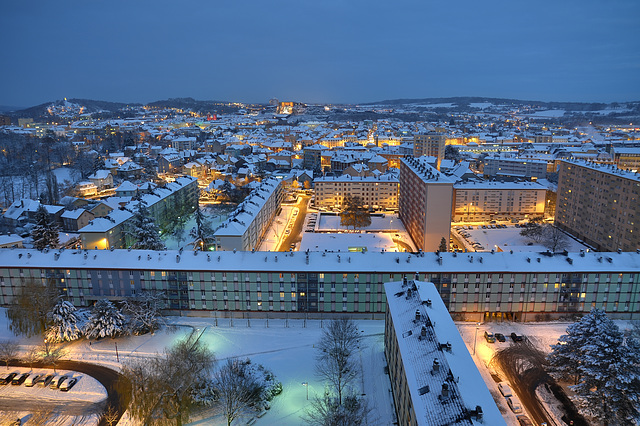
(284, 346)
(507, 239)
(275, 233)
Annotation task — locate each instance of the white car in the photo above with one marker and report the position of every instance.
(514, 404)
(505, 390)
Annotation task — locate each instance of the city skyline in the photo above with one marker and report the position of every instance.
(320, 53)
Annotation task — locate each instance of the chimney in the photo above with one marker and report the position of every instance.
(436, 366)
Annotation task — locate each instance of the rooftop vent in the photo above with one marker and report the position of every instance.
(436, 366)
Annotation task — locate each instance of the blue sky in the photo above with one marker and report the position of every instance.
(319, 51)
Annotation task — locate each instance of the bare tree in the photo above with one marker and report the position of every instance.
(335, 362)
(554, 239)
(327, 411)
(160, 389)
(110, 415)
(236, 389)
(29, 311)
(8, 351)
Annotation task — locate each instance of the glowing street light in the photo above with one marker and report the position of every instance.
(475, 338)
(306, 385)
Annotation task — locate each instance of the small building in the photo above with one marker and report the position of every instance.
(73, 220)
(103, 179)
(11, 241)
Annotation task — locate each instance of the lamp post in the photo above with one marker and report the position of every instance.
(468, 207)
(475, 338)
(306, 385)
(117, 356)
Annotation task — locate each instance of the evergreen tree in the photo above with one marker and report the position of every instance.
(64, 323)
(605, 366)
(443, 245)
(45, 233)
(105, 320)
(202, 233)
(144, 230)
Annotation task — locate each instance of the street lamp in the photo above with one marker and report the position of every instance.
(468, 207)
(475, 338)
(306, 385)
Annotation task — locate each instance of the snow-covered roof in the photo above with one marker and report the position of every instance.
(73, 214)
(104, 224)
(422, 325)
(100, 174)
(604, 168)
(375, 262)
(127, 186)
(422, 167)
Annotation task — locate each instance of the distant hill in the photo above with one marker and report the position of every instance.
(8, 108)
(462, 102)
(90, 106)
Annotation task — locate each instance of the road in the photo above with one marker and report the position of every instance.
(106, 376)
(296, 231)
(523, 365)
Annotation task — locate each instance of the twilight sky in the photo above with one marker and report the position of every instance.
(319, 51)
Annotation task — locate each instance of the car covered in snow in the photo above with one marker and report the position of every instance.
(505, 390)
(68, 384)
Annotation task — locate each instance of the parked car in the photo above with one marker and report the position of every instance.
(524, 420)
(6, 379)
(32, 380)
(65, 386)
(505, 390)
(516, 337)
(46, 380)
(57, 381)
(18, 380)
(489, 337)
(500, 337)
(514, 404)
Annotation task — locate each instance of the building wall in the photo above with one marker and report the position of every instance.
(423, 204)
(599, 205)
(431, 144)
(514, 167)
(469, 287)
(488, 201)
(382, 192)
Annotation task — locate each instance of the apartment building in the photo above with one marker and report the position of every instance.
(164, 203)
(599, 204)
(424, 203)
(526, 168)
(473, 286)
(434, 380)
(483, 201)
(246, 225)
(432, 144)
(627, 158)
(378, 192)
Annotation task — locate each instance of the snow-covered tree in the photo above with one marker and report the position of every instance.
(45, 233)
(105, 320)
(144, 312)
(144, 230)
(202, 233)
(606, 367)
(64, 323)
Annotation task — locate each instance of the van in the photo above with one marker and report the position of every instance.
(489, 337)
(514, 404)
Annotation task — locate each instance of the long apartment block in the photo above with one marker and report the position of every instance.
(517, 286)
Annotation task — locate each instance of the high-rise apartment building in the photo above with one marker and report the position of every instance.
(431, 144)
(599, 204)
(425, 203)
